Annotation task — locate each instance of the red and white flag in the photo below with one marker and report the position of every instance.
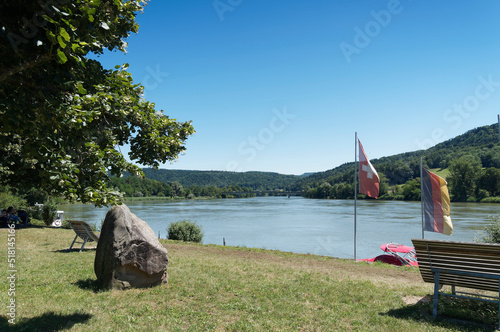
(368, 176)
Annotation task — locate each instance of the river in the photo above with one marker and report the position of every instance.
(300, 225)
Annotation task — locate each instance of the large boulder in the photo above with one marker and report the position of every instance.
(128, 252)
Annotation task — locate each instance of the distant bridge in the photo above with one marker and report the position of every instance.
(264, 193)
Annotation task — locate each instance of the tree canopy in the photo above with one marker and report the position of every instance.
(63, 116)
(463, 174)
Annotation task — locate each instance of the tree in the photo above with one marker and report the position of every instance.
(491, 158)
(490, 181)
(411, 190)
(384, 184)
(324, 190)
(65, 117)
(177, 189)
(464, 173)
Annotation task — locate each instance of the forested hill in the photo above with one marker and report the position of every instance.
(220, 179)
(482, 142)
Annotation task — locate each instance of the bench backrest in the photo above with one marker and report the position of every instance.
(459, 256)
(83, 230)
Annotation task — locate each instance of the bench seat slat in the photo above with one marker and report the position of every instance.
(468, 257)
(462, 267)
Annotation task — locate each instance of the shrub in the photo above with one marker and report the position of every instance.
(185, 231)
(482, 194)
(8, 199)
(471, 199)
(491, 200)
(411, 190)
(34, 196)
(491, 233)
(47, 212)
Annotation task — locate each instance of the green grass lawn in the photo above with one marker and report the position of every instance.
(442, 172)
(216, 288)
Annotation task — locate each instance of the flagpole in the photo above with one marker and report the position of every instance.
(421, 198)
(355, 187)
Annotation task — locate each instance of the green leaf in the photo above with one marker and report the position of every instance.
(48, 19)
(61, 57)
(51, 37)
(61, 42)
(64, 34)
(81, 89)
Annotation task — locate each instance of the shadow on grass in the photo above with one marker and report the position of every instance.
(47, 322)
(30, 225)
(66, 251)
(450, 316)
(90, 285)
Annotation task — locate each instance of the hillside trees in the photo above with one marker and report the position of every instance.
(253, 180)
(480, 143)
(64, 116)
(491, 157)
(464, 172)
(489, 180)
(132, 186)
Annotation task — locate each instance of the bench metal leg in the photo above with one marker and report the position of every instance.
(436, 294)
(71, 246)
(83, 245)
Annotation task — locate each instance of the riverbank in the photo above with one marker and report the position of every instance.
(217, 288)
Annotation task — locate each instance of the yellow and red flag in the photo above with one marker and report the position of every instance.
(435, 203)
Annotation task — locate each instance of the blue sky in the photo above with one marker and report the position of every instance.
(283, 86)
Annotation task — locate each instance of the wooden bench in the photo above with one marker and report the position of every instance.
(459, 264)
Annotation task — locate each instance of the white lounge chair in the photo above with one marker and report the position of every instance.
(84, 231)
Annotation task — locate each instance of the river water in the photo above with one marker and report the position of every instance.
(300, 225)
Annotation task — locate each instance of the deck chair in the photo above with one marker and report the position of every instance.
(84, 231)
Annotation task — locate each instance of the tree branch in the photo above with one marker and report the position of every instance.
(24, 66)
